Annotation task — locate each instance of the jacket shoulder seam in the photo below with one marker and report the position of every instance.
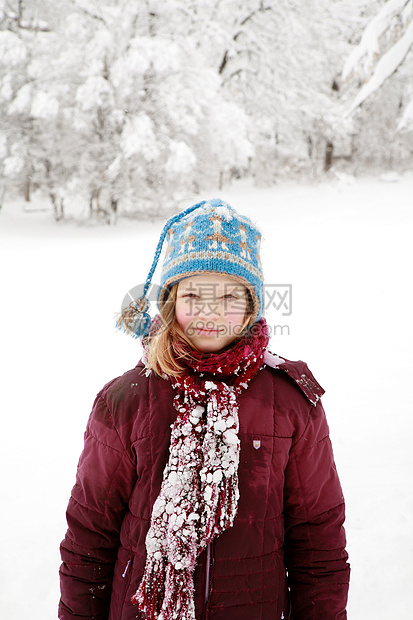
(103, 443)
(125, 449)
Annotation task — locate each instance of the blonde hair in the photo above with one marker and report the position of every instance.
(167, 348)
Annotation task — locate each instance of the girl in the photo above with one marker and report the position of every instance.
(207, 487)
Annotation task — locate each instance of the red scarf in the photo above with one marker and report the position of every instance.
(199, 494)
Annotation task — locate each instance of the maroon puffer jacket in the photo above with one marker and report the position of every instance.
(290, 513)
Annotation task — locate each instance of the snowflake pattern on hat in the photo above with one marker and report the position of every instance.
(214, 238)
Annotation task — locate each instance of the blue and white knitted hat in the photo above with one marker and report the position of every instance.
(209, 237)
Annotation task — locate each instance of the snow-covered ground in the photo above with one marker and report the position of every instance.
(345, 247)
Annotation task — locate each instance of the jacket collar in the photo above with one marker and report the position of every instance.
(299, 373)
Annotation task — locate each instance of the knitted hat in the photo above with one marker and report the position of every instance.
(209, 237)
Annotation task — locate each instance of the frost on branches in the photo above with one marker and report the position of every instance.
(131, 109)
(375, 66)
(117, 105)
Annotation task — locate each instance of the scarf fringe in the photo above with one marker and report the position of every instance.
(150, 593)
(178, 603)
(166, 593)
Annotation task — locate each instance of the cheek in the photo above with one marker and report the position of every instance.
(183, 315)
(236, 316)
(236, 319)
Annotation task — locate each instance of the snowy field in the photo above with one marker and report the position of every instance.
(346, 248)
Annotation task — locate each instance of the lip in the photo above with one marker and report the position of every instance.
(206, 332)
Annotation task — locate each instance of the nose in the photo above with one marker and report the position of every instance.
(208, 310)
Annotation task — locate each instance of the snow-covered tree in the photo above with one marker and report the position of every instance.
(15, 91)
(30, 99)
(129, 106)
(385, 48)
(377, 88)
(141, 115)
(281, 62)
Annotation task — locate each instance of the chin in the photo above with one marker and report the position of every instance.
(210, 345)
(209, 348)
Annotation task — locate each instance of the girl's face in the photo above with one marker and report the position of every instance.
(211, 310)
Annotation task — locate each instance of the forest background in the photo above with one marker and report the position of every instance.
(300, 113)
(114, 107)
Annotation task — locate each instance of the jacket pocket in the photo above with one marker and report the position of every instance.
(121, 585)
(126, 576)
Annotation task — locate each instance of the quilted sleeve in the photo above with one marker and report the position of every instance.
(315, 555)
(105, 478)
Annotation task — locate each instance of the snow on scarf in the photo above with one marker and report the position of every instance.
(199, 493)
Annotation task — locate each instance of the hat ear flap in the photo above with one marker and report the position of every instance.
(135, 320)
(250, 302)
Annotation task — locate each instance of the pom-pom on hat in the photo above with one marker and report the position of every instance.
(209, 237)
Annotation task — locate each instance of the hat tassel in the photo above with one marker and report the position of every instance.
(134, 320)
